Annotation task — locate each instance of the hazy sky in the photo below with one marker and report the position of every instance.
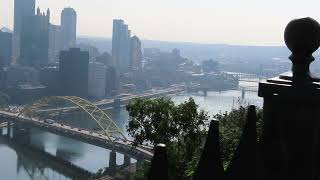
(253, 22)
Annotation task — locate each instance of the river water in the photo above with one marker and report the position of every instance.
(15, 164)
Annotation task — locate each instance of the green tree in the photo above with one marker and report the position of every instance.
(231, 125)
(181, 127)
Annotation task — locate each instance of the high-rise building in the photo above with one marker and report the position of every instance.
(63, 37)
(112, 81)
(135, 53)
(22, 9)
(73, 72)
(54, 42)
(97, 80)
(68, 28)
(34, 39)
(121, 45)
(5, 48)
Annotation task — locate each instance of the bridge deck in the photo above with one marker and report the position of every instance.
(119, 145)
(124, 100)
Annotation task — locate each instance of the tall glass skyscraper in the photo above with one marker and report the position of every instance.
(68, 28)
(121, 45)
(22, 9)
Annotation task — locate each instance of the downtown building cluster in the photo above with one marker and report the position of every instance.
(41, 59)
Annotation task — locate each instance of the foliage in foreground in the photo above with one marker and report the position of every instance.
(231, 125)
(181, 127)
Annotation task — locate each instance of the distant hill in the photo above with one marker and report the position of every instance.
(199, 52)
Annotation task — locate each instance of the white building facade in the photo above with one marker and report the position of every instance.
(97, 80)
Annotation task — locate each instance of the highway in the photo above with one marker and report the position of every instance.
(101, 140)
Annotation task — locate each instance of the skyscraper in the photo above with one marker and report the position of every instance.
(68, 28)
(34, 39)
(73, 72)
(5, 48)
(135, 53)
(112, 81)
(97, 80)
(121, 45)
(54, 42)
(22, 9)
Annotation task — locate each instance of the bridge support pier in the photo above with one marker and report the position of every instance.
(112, 160)
(21, 135)
(117, 104)
(9, 130)
(126, 160)
(205, 93)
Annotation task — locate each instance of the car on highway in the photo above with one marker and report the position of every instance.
(49, 121)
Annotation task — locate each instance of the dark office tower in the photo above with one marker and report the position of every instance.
(135, 53)
(73, 72)
(22, 8)
(68, 28)
(49, 76)
(34, 40)
(121, 45)
(5, 49)
(112, 84)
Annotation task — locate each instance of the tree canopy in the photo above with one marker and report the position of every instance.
(181, 127)
(231, 125)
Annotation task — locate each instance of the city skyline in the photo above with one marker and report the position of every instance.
(231, 22)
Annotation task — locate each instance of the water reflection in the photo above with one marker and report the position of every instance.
(21, 163)
(81, 154)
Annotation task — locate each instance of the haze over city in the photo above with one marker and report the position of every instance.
(159, 90)
(247, 22)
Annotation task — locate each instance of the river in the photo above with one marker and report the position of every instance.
(16, 165)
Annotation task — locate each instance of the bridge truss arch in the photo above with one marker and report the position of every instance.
(103, 120)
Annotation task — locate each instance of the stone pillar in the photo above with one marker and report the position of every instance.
(291, 133)
(126, 160)
(113, 160)
(159, 164)
(210, 165)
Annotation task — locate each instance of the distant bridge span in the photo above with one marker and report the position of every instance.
(109, 128)
(104, 122)
(117, 103)
(246, 77)
(100, 140)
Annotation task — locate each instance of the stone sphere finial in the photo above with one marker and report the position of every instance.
(302, 36)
